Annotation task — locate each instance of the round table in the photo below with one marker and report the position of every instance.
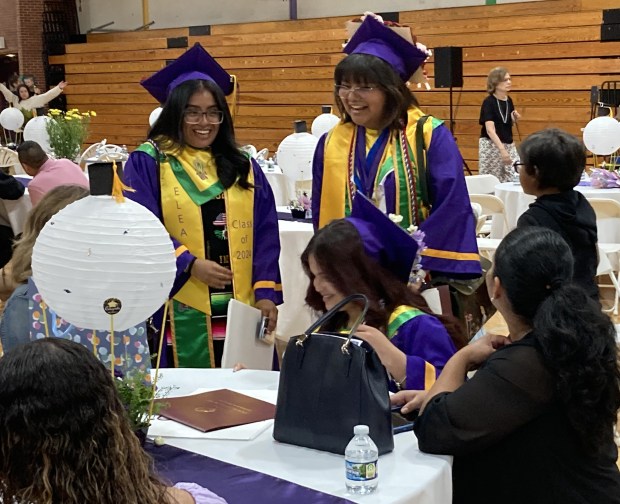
(406, 475)
(517, 202)
(294, 317)
(283, 189)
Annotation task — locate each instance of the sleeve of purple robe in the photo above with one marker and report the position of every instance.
(265, 267)
(141, 173)
(317, 179)
(450, 228)
(428, 346)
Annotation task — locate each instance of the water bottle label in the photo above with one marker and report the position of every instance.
(361, 472)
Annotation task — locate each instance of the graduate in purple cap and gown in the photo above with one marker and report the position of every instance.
(374, 151)
(215, 203)
(369, 254)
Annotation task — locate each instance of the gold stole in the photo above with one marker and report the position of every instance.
(338, 145)
(183, 220)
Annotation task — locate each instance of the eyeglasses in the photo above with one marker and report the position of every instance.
(516, 165)
(361, 91)
(195, 116)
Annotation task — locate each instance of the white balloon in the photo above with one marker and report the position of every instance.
(36, 131)
(96, 250)
(295, 155)
(11, 118)
(154, 116)
(602, 136)
(323, 123)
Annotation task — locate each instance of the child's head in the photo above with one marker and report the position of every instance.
(552, 159)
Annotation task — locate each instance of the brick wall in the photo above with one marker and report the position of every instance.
(8, 24)
(30, 39)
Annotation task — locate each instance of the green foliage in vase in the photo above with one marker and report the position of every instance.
(68, 131)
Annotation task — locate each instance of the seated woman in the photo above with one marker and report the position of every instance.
(351, 256)
(65, 437)
(535, 422)
(15, 323)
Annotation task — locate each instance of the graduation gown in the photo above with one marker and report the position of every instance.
(172, 189)
(448, 223)
(426, 343)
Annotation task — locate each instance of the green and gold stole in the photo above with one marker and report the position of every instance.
(339, 162)
(188, 179)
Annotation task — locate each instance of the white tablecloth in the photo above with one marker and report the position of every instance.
(517, 202)
(283, 189)
(405, 476)
(293, 316)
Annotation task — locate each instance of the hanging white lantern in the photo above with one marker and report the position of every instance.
(36, 131)
(97, 257)
(324, 122)
(601, 136)
(11, 119)
(295, 153)
(154, 116)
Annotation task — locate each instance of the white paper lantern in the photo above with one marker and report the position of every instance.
(36, 131)
(154, 116)
(95, 250)
(295, 153)
(602, 136)
(11, 119)
(324, 122)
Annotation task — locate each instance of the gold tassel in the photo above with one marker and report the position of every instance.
(235, 97)
(118, 187)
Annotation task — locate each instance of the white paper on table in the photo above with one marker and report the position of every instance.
(169, 428)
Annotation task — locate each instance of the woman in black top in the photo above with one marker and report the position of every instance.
(497, 150)
(534, 424)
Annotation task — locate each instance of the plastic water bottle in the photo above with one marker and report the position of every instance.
(360, 458)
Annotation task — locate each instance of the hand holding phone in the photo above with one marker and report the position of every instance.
(262, 328)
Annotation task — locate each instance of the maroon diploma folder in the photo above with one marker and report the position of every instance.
(217, 409)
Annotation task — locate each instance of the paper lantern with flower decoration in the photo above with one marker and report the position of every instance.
(295, 153)
(11, 119)
(36, 130)
(99, 258)
(324, 122)
(602, 136)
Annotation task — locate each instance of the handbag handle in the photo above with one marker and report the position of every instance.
(330, 313)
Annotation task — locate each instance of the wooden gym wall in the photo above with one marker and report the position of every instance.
(552, 49)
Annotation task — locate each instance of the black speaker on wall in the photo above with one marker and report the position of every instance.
(448, 67)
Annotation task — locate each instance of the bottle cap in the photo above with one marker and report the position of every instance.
(326, 109)
(360, 430)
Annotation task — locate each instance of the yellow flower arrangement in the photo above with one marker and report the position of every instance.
(68, 131)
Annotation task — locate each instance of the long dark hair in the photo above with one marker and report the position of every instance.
(339, 251)
(365, 69)
(232, 165)
(64, 436)
(30, 93)
(578, 341)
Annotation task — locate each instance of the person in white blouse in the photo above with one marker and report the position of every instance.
(27, 102)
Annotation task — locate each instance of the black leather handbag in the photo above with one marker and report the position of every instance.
(328, 385)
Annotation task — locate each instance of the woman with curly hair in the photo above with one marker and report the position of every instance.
(64, 436)
(535, 423)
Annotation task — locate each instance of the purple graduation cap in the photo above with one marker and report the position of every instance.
(374, 38)
(195, 63)
(384, 241)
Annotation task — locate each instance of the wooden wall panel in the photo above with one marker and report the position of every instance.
(552, 49)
